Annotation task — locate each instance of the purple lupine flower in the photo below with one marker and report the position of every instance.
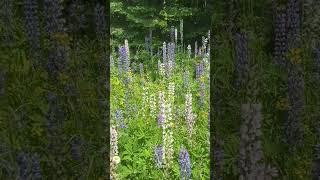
(242, 62)
(77, 148)
(100, 19)
(202, 92)
(296, 99)
(53, 17)
(23, 166)
(159, 156)
(119, 118)
(281, 45)
(32, 27)
(36, 169)
(185, 164)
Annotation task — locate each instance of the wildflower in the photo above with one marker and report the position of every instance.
(113, 141)
(127, 55)
(281, 46)
(185, 164)
(161, 115)
(162, 69)
(32, 27)
(36, 169)
(159, 156)
(171, 92)
(111, 61)
(172, 34)
(120, 62)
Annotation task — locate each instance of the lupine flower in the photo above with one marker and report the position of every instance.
(113, 152)
(171, 92)
(161, 115)
(127, 56)
(162, 69)
(242, 64)
(189, 51)
(185, 164)
(168, 138)
(144, 99)
(120, 119)
(32, 26)
(36, 169)
(251, 154)
(23, 166)
(100, 19)
(113, 141)
(202, 91)
(159, 156)
(53, 17)
(296, 99)
(75, 149)
(190, 117)
(281, 46)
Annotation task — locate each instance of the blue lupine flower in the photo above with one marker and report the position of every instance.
(23, 166)
(158, 156)
(32, 26)
(185, 165)
(36, 169)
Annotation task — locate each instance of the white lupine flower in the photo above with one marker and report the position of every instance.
(114, 141)
(189, 51)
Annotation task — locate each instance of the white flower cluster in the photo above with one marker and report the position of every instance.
(114, 158)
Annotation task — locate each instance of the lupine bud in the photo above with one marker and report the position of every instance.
(158, 156)
(176, 35)
(195, 49)
(164, 53)
(172, 34)
(185, 164)
(127, 56)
